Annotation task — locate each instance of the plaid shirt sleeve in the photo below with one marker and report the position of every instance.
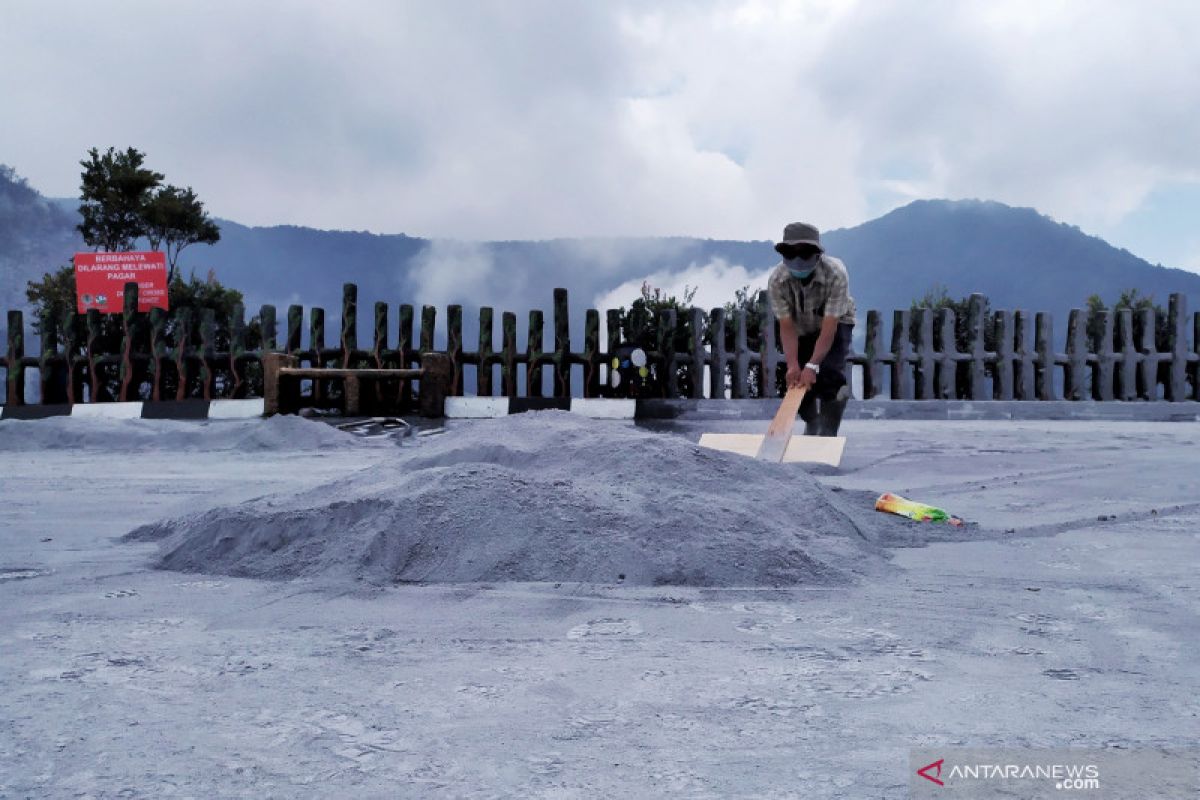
(777, 295)
(837, 302)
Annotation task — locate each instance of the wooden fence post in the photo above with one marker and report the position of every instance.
(379, 342)
(279, 396)
(533, 354)
(158, 352)
(404, 350)
(1103, 369)
(486, 355)
(295, 326)
(769, 355)
(1127, 380)
(1150, 356)
(1026, 387)
(718, 357)
(562, 345)
(70, 334)
(977, 349)
(1177, 388)
(16, 353)
(454, 348)
(508, 362)
(666, 351)
(379, 348)
(127, 371)
(873, 369)
(948, 355)
(1043, 335)
(316, 342)
(208, 331)
(237, 350)
(926, 388)
(591, 353)
(902, 377)
(269, 327)
(697, 357)
(50, 371)
(741, 362)
(435, 383)
(1003, 384)
(1077, 356)
(348, 341)
(184, 319)
(1196, 353)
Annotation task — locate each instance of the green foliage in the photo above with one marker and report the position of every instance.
(175, 218)
(754, 304)
(1137, 303)
(115, 190)
(640, 327)
(937, 300)
(53, 297)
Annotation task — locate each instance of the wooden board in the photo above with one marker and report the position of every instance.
(775, 443)
(801, 449)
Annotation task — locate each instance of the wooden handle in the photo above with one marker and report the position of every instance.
(775, 443)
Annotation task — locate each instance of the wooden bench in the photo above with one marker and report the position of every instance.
(282, 375)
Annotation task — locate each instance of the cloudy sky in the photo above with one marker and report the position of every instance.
(548, 118)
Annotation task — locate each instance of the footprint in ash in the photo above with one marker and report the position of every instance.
(606, 628)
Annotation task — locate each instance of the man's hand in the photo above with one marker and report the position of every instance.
(807, 378)
(795, 376)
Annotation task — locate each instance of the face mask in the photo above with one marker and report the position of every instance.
(802, 267)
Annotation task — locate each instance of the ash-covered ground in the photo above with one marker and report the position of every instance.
(296, 612)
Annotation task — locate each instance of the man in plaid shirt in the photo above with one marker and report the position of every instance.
(809, 293)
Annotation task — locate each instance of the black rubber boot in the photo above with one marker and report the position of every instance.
(830, 418)
(808, 413)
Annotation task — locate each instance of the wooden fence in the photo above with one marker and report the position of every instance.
(918, 359)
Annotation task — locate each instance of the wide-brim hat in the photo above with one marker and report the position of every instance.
(800, 233)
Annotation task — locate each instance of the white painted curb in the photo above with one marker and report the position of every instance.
(107, 410)
(235, 409)
(604, 409)
(476, 407)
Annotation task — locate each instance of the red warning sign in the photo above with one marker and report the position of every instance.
(100, 280)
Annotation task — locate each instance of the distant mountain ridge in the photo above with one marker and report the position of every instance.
(1016, 256)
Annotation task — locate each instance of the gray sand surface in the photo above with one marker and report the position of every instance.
(120, 680)
(164, 435)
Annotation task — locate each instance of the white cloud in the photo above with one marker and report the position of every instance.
(501, 119)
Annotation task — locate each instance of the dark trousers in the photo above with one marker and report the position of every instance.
(833, 375)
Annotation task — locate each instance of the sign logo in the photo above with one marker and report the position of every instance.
(924, 772)
(101, 277)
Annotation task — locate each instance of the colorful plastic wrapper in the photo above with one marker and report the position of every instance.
(895, 504)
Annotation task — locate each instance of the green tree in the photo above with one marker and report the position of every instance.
(175, 218)
(115, 191)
